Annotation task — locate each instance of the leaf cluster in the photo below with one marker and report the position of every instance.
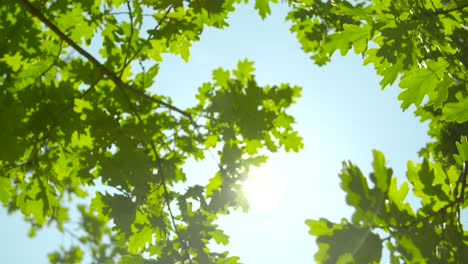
(78, 115)
(421, 45)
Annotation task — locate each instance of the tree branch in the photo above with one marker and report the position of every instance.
(106, 72)
(163, 181)
(447, 11)
(430, 215)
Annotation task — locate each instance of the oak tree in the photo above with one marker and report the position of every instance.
(77, 112)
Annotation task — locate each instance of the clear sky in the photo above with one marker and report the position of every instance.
(342, 115)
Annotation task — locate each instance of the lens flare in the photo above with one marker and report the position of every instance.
(263, 189)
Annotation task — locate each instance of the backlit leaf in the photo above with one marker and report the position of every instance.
(139, 240)
(456, 111)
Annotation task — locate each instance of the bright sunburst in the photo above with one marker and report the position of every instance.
(263, 189)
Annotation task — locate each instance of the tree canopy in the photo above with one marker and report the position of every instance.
(421, 45)
(77, 112)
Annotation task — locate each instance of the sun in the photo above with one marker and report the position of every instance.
(263, 188)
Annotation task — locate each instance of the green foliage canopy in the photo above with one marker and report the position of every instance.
(422, 45)
(77, 112)
(73, 118)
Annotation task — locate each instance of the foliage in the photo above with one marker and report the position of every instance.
(77, 113)
(422, 45)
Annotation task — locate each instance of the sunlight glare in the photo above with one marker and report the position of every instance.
(263, 189)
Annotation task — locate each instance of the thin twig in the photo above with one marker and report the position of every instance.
(438, 12)
(447, 11)
(150, 36)
(129, 45)
(70, 233)
(56, 58)
(126, 13)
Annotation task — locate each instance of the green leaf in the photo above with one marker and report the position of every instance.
(214, 183)
(292, 141)
(284, 120)
(442, 92)
(429, 184)
(410, 248)
(381, 175)
(345, 8)
(322, 227)
(5, 190)
(145, 79)
(131, 259)
(398, 196)
(351, 35)
(81, 104)
(346, 258)
(211, 141)
(355, 185)
(263, 7)
(462, 148)
(456, 111)
(421, 82)
(244, 68)
(252, 146)
(139, 240)
(349, 243)
(221, 77)
(81, 140)
(231, 260)
(219, 237)
(14, 61)
(121, 209)
(390, 74)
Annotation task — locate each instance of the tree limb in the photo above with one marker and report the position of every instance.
(106, 72)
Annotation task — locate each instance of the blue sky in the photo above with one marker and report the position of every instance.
(342, 115)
